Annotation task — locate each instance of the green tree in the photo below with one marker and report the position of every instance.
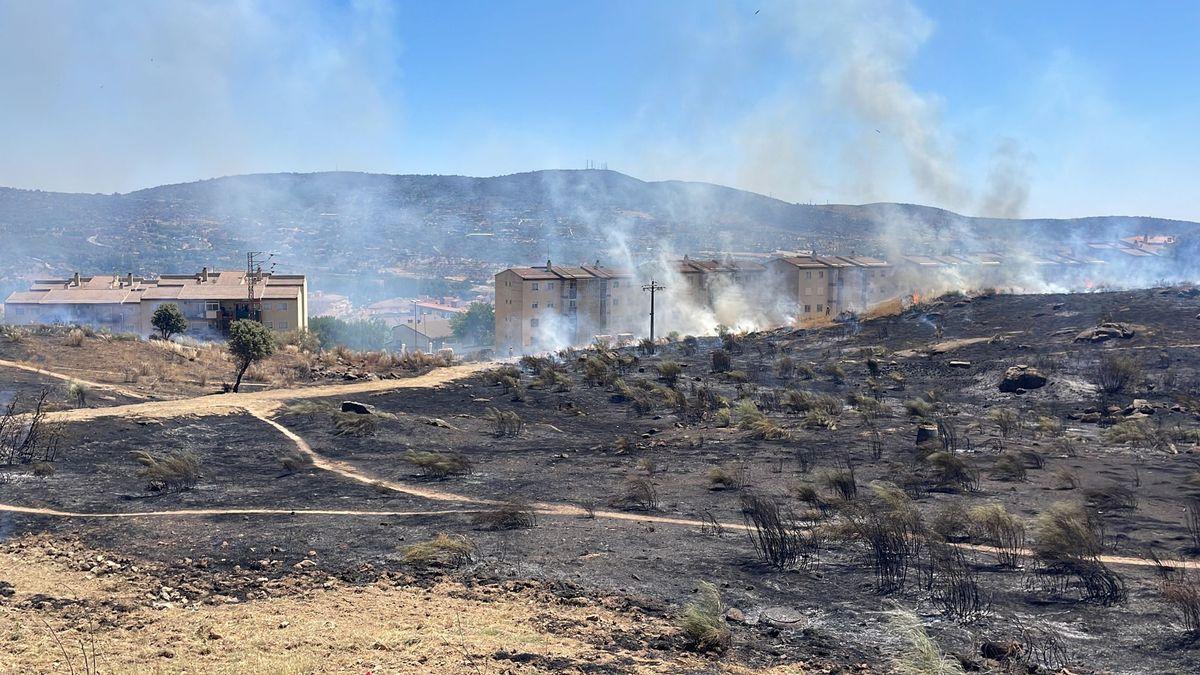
(249, 341)
(359, 335)
(168, 319)
(477, 325)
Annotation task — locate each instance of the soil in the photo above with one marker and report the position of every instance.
(353, 511)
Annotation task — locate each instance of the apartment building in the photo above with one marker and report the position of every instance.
(209, 300)
(540, 308)
(820, 286)
(704, 281)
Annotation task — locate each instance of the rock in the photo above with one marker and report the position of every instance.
(960, 364)
(782, 616)
(1022, 377)
(357, 408)
(1139, 405)
(735, 615)
(1000, 651)
(1090, 418)
(1104, 332)
(6, 590)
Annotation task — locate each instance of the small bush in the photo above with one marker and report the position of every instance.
(919, 654)
(514, 513)
(443, 551)
(703, 622)
(78, 392)
(669, 371)
(636, 494)
(354, 424)
(1116, 373)
(996, 527)
(950, 521)
(729, 478)
(781, 540)
(1066, 532)
(1009, 467)
(1066, 479)
(433, 464)
(75, 338)
(42, 469)
(839, 481)
(918, 408)
(1007, 421)
(1181, 590)
(169, 473)
(951, 470)
(1111, 497)
(505, 422)
(296, 461)
(721, 362)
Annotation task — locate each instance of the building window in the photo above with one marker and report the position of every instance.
(616, 283)
(550, 305)
(282, 325)
(212, 306)
(533, 323)
(281, 306)
(271, 325)
(808, 309)
(820, 275)
(550, 286)
(535, 305)
(818, 308)
(535, 285)
(572, 304)
(808, 274)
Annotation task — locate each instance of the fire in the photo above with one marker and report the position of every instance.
(916, 298)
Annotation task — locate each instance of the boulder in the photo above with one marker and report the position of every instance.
(1139, 405)
(357, 408)
(1105, 331)
(1022, 377)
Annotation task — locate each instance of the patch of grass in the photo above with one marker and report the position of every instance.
(295, 461)
(433, 464)
(443, 551)
(169, 473)
(354, 424)
(733, 477)
(1111, 497)
(916, 407)
(1009, 467)
(669, 371)
(703, 622)
(993, 525)
(839, 481)
(636, 494)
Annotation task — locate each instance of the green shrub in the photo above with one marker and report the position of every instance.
(703, 622)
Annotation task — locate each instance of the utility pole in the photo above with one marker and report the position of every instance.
(653, 287)
(254, 275)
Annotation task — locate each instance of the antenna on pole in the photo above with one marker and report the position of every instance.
(653, 287)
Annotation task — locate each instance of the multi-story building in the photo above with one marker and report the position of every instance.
(819, 286)
(209, 300)
(540, 308)
(704, 281)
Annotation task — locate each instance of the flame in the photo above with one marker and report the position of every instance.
(916, 298)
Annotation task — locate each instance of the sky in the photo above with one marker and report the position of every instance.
(1014, 109)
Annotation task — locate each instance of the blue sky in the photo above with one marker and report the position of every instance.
(1006, 108)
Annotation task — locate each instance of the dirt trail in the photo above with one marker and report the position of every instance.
(68, 378)
(224, 512)
(265, 401)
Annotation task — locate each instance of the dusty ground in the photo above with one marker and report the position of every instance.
(361, 502)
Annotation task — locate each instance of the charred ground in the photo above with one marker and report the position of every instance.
(638, 475)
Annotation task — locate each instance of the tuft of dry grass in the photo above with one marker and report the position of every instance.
(443, 551)
(703, 622)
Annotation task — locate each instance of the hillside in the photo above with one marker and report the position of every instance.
(334, 225)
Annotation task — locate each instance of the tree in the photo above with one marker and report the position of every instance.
(249, 341)
(169, 320)
(477, 325)
(359, 335)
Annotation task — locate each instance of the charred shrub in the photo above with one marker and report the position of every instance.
(992, 525)
(514, 513)
(636, 494)
(721, 361)
(891, 527)
(779, 538)
(1116, 373)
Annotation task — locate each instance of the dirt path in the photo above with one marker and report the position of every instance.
(7, 508)
(69, 378)
(265, 401)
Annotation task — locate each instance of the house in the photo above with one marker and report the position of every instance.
(209, 300)
(704, 281)
(423, 333)
(550, 307)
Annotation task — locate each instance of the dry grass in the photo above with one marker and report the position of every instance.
(446, 628)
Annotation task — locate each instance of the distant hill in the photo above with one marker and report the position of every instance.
(348, 226)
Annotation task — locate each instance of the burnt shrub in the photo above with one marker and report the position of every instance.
(636, 494)
(514, 513)
(891, 527)
(1111, 497)
(994, 526)
(721, 361)
(780, 539)
(1116, 373)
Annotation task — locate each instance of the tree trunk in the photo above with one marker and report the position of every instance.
(241, 371)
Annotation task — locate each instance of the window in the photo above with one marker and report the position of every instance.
(550, 305)
(535, 305)
(808, 274)
(818, 308)
(572, 306)
(533, 323)
(281, 306)
(820, 274)
(550, 286)
(535, 285)
(211, 306)
(271, 325)
(282, 325)
(808, 309)
(616, 283)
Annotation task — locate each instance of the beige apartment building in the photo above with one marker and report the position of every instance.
(550, 307)
(209, 300)
(704, 281)
(825, 286)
